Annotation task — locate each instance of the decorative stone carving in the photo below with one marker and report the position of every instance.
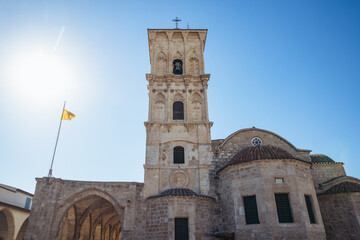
(177, 55)
(196, 97)
(179, 178)
(179, 97)
(160, 98)
(194, 63)
(161, 62)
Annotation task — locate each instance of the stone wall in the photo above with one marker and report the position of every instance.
(323, 172)
(162, 211)
(53, 198)
(340, 213)
(242, 139)
(258, 178)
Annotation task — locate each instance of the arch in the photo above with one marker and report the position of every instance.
(159, 108)
(82, 196)
(194, 63)
(159, 98)
(177, 66)
(179, 155)
(196, 97)
(7, 224)
(178, 97)
(178, 55)
(260, 130)
(178, 110)
(161, 56)
(21, 234)
(196, 113)
(161, 62)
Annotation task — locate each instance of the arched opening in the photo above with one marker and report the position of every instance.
(179, 155)
(92, 217)
(6, 225)
(178, 67)
(178, 110)
(21, 234)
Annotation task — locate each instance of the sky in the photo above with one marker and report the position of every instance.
(290, 67)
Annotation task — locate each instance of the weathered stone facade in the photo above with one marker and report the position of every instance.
(252, 185)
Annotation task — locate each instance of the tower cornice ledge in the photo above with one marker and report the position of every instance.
(150, 124)
(165, 77)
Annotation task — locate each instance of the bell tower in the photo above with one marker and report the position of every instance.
(178, 141)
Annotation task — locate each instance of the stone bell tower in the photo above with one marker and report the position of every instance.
(178, 142)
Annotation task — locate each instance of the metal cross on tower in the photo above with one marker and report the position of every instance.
(177, 20)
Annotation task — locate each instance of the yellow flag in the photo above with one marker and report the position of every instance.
(67, 115)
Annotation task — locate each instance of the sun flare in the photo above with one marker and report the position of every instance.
(42, 76)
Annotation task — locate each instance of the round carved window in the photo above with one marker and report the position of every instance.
(256, 141)
(179, 179)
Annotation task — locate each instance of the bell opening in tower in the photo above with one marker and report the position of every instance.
(177, 69)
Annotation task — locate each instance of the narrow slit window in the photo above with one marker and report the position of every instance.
(27, 203)
(310, 209)
(181, 228)
(179, 155)
(178, 110)
(251, 213)
(283, 208)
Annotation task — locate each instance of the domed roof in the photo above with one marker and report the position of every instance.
(343, 187)
(321, 158)
(180, 192)
(258, 153)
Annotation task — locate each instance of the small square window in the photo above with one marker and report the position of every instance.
(279, 180)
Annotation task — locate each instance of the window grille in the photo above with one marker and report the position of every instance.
(178, 111)
(283, 208)
(181, 229)
(179, 156)
(251, 213)
(310, 209)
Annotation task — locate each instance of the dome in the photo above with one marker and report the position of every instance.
(343, 187)
(257, 153)
(321, 158)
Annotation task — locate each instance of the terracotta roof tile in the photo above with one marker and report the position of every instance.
(343, 187)
(320, 158)
(179, 192)
(257, 153)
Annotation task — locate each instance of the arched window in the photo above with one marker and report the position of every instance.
(179, 156)
(178, 110)
(178, 67)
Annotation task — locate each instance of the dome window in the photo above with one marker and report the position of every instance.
(256, 141)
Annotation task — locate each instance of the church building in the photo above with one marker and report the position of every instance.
(253, 184)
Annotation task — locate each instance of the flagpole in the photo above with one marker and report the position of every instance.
(57, 138)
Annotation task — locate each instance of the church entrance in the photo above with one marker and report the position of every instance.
(92, 217)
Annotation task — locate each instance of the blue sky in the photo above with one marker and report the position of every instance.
(290, 67)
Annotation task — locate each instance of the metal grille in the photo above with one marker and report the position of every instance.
(251, 213)
(283, 208)
(179, 155)
(310, 209)
(178, 111)
(181, 229)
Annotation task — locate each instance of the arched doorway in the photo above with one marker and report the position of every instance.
(92, 217)
(21, 234)
(6, 225)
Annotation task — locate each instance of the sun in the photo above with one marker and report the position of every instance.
(42, 76)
